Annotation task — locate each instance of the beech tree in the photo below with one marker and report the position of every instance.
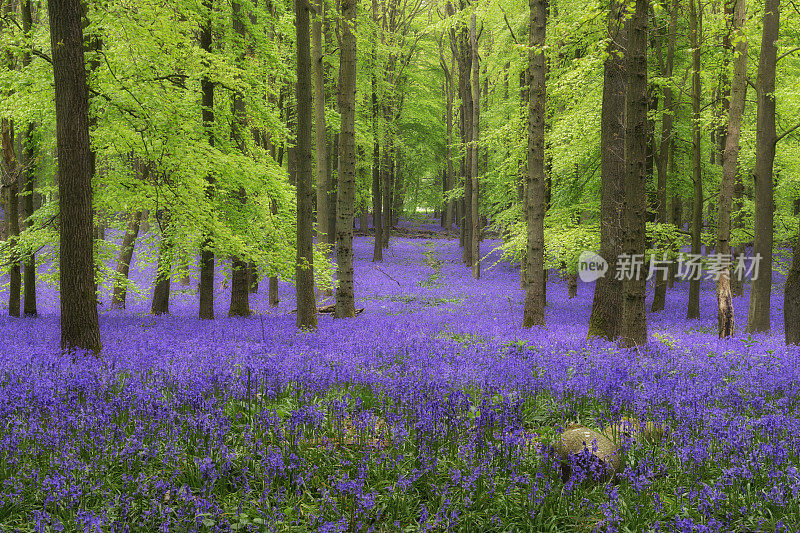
(206, 287)
(345, 299)
(730, 168)
(758, 318)
(304, 269)
(80, 327)
(607, 303)
(633, 328)
(693, 309)
(534, 196)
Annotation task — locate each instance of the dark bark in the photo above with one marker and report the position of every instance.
(10, 173)
(206, 288)
(29, 156)
(240, 268)
(693, 310)
(320, 128)
(730, 169)
(475, 232)
(448, 178)
(535, 193)
(124, 262)
(80, 328)
(377, 211)
(572, 285)
(607, 303)
(252, 277)
(161, 289)
(633, 329)
(467, 118)
(333, 184)
(304, 269)
(345, 297)
(240, 288)
(791, 299)
(667, 121)
(758, 319)
(386, 177)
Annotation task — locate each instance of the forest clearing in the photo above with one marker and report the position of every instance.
(394, 266)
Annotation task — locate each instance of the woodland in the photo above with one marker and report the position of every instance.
(399, 265)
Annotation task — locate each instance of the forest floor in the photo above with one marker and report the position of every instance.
(433, 410)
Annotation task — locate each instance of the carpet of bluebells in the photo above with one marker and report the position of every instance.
(432, 411)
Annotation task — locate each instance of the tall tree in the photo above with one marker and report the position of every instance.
(125, 256)
(240, 268)
(29, 155)
(10, 180)
(161, 288)
(791, 299)
(693, 310)
(10, 171)
(345, 298)
(665, 145)
(758, 319)
(467, 118)
(449, 207)
(475, 232)
(206, 288)
(535, 194)
(633, 328)
(607, 303)
(304, 269)
(377, 199)
(80, 327)
(320, 127)
(730, 168)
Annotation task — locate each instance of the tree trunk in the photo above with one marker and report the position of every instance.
(333, 184)
(206, 289)
(240, 268)
(693, 310)
(11, 182)
(386, 178)
(758, 319)
(377, 212)
(304, 269)
(252, 277)
(80, 328)
(475, 234)
(124, 262)
(161, 290)
(320, 128)
(791, 298)
(467, 118)
(730, 169)
(607, 303)
(535, 194)
(240, 288)
(345, 297)
(667, 121)
(677, 218)
(29, 154)
(633, 329)
(449, 206)
(572, 285)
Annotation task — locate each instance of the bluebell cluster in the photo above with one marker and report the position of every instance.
(433, 410)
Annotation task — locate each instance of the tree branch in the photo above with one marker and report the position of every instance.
(787, 132)
(508, 24)
(793, 50)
